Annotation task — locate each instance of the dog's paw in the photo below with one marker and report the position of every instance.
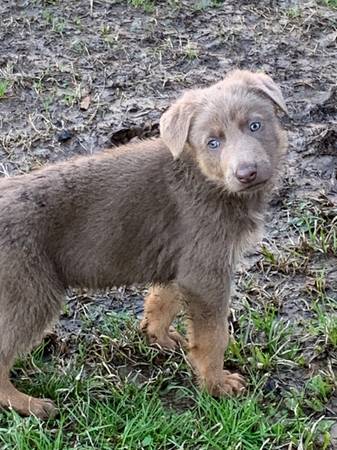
(26, 405)
(43, 408)
(170, 340)
(228, 384)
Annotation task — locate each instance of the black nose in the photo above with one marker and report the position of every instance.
(246, 173)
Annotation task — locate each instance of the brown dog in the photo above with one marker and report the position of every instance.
(137, 215)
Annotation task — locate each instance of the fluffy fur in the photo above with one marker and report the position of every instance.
(137, 214)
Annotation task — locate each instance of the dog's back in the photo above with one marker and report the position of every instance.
(101, 220)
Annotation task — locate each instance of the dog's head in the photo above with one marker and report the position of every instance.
(231, 130)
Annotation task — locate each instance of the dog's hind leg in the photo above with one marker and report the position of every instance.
(30, 299)
(24, 404)
(162, 304)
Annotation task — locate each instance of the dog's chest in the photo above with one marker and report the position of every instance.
(220, 226)
(243, 234)
(230, 233)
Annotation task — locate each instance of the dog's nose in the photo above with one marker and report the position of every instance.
(246, 173)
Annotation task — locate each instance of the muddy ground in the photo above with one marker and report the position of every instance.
(79, 76)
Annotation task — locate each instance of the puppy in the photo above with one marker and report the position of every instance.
(176, 212)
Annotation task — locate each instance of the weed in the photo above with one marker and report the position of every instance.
(147, 5)
(4, 85)
(57, 24)
(331, 3)
(316, 223)
(324, 325)
(265, 341)
(293, 13)
(203, 5)
(190, 51)
(288, 261)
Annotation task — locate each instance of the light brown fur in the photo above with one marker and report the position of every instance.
(162, 305)
(137, 215)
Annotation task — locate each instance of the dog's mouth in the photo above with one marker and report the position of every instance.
(254, 187)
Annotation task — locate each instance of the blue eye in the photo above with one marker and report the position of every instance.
(254, 126)
(213, 144)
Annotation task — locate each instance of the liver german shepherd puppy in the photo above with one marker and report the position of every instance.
(176, 211)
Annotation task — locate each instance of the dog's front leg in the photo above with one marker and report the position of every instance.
(162, 304)
(208, 340)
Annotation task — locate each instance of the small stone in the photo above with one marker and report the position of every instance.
(85, 103)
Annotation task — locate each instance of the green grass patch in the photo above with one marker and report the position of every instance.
(316, 224)
(4, 86)
(146, 5)
(331, 3)
(113, 391)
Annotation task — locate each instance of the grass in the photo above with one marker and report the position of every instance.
(293, 13)
(316, 224)
(203, 5)
(190, 51)
(146, 5)
(4, 85)
(57, 24)
(324, 325)
(132, 420)
(331, 3)
(113, 391)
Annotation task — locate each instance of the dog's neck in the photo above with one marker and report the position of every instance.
(191, 182)
(236, 220)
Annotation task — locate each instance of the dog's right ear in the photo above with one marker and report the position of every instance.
(175, 124)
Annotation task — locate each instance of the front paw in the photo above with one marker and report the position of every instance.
(225, 384)
(169, 340)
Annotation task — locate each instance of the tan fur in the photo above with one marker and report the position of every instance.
(162, 304)
(137, 215)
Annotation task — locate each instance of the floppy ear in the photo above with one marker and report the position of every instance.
(265, 84)
(261, 82)
(175, 124)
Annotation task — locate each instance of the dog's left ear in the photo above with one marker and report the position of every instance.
(175, 124)
(265, 84)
